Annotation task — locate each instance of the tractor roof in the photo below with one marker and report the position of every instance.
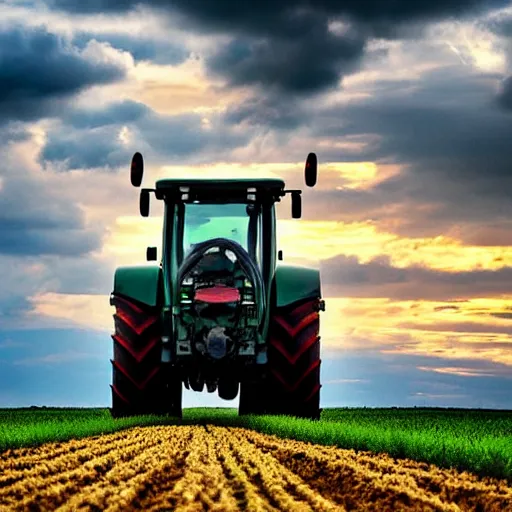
(233, 190)
(271, 184)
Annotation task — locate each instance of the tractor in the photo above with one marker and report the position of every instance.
(219, 311)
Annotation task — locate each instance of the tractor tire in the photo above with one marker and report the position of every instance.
(292, 384)
(141, 383)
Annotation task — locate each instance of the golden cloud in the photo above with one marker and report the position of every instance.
(87, 311)
(347, 324)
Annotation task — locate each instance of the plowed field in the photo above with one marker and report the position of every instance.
(218, 468)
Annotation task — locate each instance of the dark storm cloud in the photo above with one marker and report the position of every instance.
(91, 139)
(141, 48)
(454, 147)
(270, 111)
(121, 112)
(38, 69)
(86, 149)
(505, 94)
(287, 45)
(33, 221)
(184, 135)
(448, 119)
(345, 276)
(500, 24)
(286, 66)
(232, 14)
(55, 240)
(37, 220)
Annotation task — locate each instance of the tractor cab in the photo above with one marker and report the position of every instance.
(238, 210)
(230, 209)
(224, 208)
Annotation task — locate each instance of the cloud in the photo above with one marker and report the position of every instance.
(288, 46)
(141, 48)
(438, 122)
(86, 149)
(34, 218)
(462, 371)
(499, 314)
(444, 129)
(105, 138)
(402, 381)
(253, 14)
(346, 276)
(440, 396)
(116, 113)
(26, 278)
(284, 66)
(505, 94)
(371, 324)
(269, 111)
(92, 312)
(39, 70)
(346, 381)
(46, 240)
(499, 23)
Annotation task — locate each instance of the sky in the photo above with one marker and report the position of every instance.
(408, 106)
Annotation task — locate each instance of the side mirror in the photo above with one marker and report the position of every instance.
(296, 205)
(311, 170)
(151, 254)
(144, 202)
(280, 255)
(137, 169)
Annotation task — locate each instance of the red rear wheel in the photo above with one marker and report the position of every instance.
(293, 385)
(141, 383)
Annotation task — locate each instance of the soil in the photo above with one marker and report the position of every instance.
(196, 468)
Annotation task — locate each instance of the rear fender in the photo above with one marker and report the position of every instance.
(141, 283)
(294, 284)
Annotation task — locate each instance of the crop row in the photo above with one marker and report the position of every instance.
(189, 468)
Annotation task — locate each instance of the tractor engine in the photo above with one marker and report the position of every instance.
(220, 310)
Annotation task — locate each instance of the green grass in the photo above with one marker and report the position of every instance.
(474, 440)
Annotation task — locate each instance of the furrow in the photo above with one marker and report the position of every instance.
(127, 483)
(246, 493)
(202, 486)
(294, 485)
(17, 462)
(24, 458)
(382, 480)
(263, 472)
(49, 487)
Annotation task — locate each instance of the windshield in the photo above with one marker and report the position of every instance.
(206, 221)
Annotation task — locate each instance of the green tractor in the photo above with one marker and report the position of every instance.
(218, 311)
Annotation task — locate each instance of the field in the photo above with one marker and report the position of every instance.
(214, 460)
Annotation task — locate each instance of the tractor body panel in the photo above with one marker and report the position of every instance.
(295, 284)
(141, 283)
